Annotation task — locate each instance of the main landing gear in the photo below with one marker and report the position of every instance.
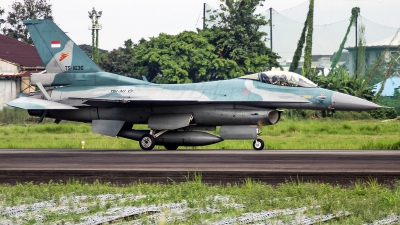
(147, 141)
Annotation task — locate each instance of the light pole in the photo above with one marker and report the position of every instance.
(95, 16)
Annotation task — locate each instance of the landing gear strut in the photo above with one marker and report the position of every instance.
(147, 141)
(258, 144)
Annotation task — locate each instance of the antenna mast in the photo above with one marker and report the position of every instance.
(95, 27)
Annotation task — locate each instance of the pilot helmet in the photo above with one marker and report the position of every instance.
(264, 77)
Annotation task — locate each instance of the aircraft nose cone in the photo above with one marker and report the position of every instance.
(346, 102)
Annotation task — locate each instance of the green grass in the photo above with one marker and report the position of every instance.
(9, 115)
(287, 134)
(366, 201)
(19, 130)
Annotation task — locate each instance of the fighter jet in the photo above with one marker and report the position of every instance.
(176, 114)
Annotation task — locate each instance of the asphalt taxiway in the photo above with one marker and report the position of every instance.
(216, 166)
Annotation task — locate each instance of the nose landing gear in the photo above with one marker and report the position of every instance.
(258, 144)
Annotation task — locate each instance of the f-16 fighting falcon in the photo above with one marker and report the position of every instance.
(176, 114)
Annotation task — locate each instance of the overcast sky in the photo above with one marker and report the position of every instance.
(124, 19)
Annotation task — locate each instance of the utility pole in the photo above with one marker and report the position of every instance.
(270, 26)
(95, 27)
(204, 16)
(356, 58)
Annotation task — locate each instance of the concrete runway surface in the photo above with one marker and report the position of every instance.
(216, 166)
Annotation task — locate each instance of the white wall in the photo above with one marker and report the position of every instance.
(8, 91)
(8, 68)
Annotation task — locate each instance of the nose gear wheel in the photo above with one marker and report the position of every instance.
(258, 144)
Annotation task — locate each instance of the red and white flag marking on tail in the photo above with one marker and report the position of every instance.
(56, 44)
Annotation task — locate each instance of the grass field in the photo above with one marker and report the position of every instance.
(194, 202)
(287, 134)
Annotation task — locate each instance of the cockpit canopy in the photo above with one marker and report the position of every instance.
(282, 78)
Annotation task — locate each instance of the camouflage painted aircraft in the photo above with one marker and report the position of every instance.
(176, 114)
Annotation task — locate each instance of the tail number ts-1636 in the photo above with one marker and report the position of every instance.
(73, 67)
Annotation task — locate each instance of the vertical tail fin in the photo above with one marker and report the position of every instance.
(57, 51)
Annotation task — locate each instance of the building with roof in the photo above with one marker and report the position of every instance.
(322, 62)
(373, 51)
(18, 61)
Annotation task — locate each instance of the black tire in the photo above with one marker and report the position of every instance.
(147, 142)
(258, 145)
(171, 146)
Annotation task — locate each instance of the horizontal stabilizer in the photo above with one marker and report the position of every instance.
(34, 103)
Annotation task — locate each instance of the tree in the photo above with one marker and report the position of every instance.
(2, 21)
(340, 80)
(234, 31)
(87, 49)
(183, 58)
(354, 14)
(393, 102)
(299, 50)
(120, 61)
(26, 10)
(361, 64)
(308, 48)
(305, 37)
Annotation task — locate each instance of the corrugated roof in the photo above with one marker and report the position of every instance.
(390, 41)
(22, 74)
(16, 51)
(316, 57)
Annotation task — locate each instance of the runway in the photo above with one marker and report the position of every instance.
(216, 166)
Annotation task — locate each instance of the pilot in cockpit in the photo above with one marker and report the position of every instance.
(283, 80)
(275, 79)
(265, 78)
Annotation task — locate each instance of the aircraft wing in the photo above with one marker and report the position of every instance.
(34, 103)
